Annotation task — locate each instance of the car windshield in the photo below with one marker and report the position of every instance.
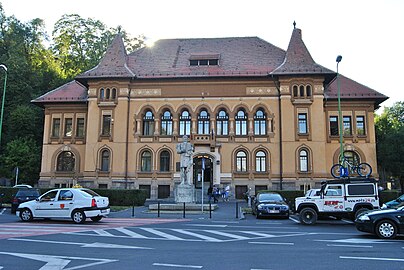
(270, 197)
(89, 193)
(28, 192)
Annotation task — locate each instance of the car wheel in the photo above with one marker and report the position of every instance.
(26, 215)
(360, 211)
(78, 216)
(386, 229)
(96, 219)
(308, 216)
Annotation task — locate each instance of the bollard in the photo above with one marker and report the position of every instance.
(210, 210)
(183, 215)
(236, 209)
(158, 209)
(133, 209)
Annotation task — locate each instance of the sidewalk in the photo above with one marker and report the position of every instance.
(230, 210)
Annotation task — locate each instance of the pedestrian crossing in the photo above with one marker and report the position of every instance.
(39, 227)
(201, 235)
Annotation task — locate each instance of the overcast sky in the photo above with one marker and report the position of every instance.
(368, 34)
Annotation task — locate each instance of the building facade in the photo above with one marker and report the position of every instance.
(259, 118)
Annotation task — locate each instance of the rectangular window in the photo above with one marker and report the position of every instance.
(68, 127)
(360, 125)
(80, 128)
(347, 125)
(334, 126)
(106, 125)
(56, 127)
(302, 123)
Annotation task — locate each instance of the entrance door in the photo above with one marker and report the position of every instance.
(208, 172)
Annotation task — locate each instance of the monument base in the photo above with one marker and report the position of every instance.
(184, 194)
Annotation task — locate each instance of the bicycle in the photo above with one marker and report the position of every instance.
(343, 170)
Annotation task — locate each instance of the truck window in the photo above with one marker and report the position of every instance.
(362, 189)
(334, 190)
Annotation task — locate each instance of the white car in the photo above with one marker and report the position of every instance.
(75, 203)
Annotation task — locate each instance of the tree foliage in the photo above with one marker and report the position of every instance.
(37, 64)
(389, 142)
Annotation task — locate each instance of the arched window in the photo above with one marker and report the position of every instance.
(102, 94)
(146, 161)
(105, 159)
(166, 123)
(113, 94)
(108, 94)
(203, 122)
(260, 162)
(308, 90)
(222, 123)
(148, 124)
(185, 123)
(260, 123)
(301, 89)
(164, 161)
(241, 161)
(241, 122)
(304, 160)
(295, 91)
(65, 162)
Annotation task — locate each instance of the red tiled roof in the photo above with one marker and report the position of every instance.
(70, 92)
(350, 89)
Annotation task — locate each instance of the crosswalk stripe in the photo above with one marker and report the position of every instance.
(201, 236)
(162, 234)
(258, 234)
(130, 233)
(230, 235)
(103, 233)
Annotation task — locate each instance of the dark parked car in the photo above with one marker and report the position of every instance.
(394, 203)
(23, 195)
(270, 204)
(384, 223)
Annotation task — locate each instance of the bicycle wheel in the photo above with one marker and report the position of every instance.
(338, 171)
(364, 169)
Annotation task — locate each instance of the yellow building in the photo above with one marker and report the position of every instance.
(260, 117)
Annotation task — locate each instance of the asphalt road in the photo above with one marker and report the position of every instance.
(196, 242)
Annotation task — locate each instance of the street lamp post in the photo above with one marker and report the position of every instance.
(341, 147)
(3, 99)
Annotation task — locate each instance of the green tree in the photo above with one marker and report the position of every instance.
(80, 43)
(389, 142)
(22, 153)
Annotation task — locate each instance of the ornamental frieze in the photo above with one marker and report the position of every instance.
(147, 92)
(260, 90)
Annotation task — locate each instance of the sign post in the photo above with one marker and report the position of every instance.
(203, 180)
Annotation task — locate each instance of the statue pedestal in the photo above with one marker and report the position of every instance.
(184, 193)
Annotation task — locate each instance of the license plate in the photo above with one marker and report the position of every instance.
(104, 211)
(273, 211)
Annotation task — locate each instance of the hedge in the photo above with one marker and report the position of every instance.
(117, 197)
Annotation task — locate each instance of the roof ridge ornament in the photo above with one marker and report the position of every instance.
(294, 24)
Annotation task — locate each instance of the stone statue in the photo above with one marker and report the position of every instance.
(186, 150)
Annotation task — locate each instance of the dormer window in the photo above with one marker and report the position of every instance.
(204, 60)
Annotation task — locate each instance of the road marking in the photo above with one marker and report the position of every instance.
(230, 235)
(359, 241)
(178, 265)
(347, 221)
(130, 233)
(355, 246)
(294, 220)
(259, 234)
(1, 213)
(92, 245)
(58, 262)
(272, 243)
(372, 258)
(103, 232)
(201, 236)
(162, 234)
(207, 225)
